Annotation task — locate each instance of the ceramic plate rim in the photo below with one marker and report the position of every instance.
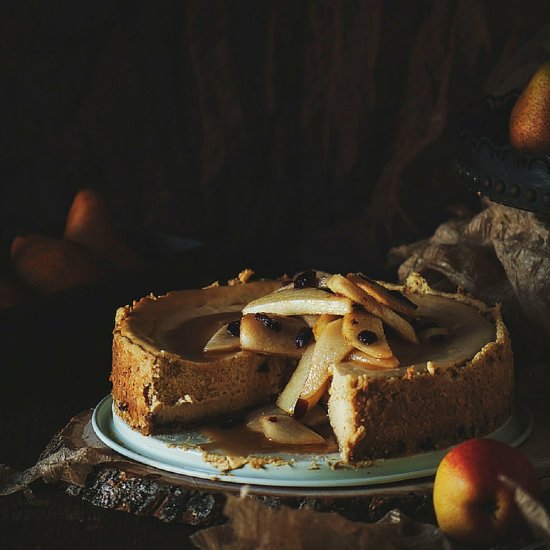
(152, 451)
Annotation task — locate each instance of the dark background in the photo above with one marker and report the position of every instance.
(287, 133)
(284, 134)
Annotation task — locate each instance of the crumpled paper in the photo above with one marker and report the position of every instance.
(255, 526)
(69, 457)
(535, 515)
(501, 255)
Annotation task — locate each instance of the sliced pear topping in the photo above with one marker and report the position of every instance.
(289, 396)
(306, 301)
(393, 299)
(223, 340)
(345, 287)
(304, 337)
(271, 334)
(282, 428)
(253, 417)
(321, 324)
(331, 348)
(366, 333)
(368, 361)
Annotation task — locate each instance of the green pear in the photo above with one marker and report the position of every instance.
(529, 126)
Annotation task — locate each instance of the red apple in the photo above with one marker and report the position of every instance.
(471, 503)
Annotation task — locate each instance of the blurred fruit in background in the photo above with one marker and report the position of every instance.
(529, 126)
(47, 265)
(90, 250)
(90, 223)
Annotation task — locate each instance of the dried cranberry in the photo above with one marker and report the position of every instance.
(234, 328)
(306, 279)
(304, 336)
(367, 337)
(268, 322)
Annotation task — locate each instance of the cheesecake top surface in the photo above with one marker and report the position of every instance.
(180, 323)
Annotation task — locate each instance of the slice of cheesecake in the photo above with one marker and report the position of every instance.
(446, 390)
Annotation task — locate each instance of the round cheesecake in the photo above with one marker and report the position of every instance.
(442, 391)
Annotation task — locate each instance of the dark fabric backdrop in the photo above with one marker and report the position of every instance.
(288, 132)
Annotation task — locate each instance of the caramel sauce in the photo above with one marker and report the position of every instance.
(412, 354)
(239, 441)
(188, 338)
(468, 333)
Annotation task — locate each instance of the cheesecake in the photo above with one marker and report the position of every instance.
(398, 369)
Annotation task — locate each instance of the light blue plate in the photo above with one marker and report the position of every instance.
(302, 470)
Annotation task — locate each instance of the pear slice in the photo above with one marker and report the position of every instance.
(322, 322)
(290, 394)
(223, 340)
(368, 361)
(253, 417)
(272, 334)
(306, 301)
(393, 299)
(331, 348)
(365, 332)
(345, 287)
(282, 428)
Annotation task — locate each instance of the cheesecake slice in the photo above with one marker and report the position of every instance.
(445, 391)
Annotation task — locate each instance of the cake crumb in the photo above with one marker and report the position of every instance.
(243, 277)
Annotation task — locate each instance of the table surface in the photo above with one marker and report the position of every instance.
(47, 385)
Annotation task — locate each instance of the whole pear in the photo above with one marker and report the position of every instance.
(48, 265)
(529, 125)
(90, 223)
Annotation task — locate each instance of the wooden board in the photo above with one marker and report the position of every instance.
(100, 476)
